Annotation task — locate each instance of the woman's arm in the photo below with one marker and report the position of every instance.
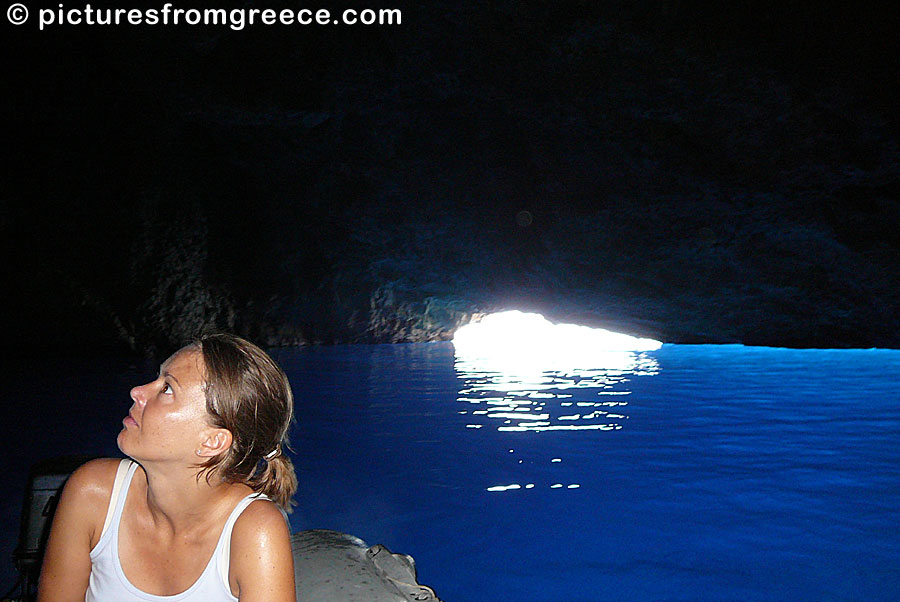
(262, 565)
(76, 527)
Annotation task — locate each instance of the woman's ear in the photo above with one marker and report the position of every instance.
(215, 441)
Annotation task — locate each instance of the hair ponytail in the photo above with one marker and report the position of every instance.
(277, 480)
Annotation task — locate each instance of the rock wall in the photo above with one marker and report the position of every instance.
(647, 167)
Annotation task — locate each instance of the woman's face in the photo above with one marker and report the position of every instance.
(168, 419)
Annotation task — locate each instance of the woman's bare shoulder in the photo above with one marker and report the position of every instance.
(75, 531)
(92, 482)
(260, 517)
(85, 498)
(262, 566)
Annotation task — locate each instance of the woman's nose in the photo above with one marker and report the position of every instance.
(138, 396)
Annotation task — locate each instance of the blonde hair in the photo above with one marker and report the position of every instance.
(249, 394)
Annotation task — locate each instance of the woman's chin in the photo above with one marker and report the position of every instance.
(121, 443)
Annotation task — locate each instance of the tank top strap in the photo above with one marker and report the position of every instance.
(223, 547)
(124, 473)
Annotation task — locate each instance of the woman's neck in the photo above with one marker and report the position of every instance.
(180, 502)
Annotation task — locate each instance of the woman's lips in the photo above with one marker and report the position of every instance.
(129, 421)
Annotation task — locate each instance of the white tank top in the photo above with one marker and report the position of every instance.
(108, 582)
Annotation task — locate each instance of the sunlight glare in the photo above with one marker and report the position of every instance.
(528, 339)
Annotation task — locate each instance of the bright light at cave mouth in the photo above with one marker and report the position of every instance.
(517, 336)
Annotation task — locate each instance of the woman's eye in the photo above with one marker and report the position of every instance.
(167, 389)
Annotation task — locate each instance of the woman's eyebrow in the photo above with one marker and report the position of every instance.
(172, 376)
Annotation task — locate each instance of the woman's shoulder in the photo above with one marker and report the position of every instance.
(86, 496)
(99, 471)
(257, 525)
(260, 515)
(92, 482)
(261, 559)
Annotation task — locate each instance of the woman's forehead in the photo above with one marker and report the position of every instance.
(187, 360)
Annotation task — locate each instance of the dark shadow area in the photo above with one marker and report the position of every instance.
(669, 169)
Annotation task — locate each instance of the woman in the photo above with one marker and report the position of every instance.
(197, 515)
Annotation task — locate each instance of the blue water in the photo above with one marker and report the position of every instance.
(688, 473)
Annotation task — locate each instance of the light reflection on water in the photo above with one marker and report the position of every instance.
(563, 398)
(592, 396)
